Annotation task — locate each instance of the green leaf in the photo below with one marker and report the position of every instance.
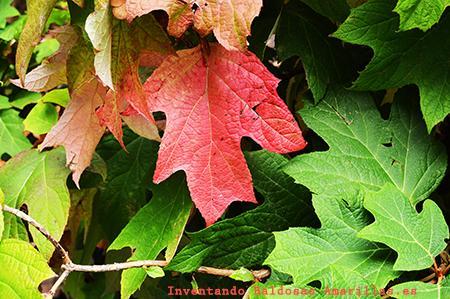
(304, 33)
(153, 228)
(23, 269)
(367, 152)
(402, 58)
(39, 181)
(416, 237)
(4, 103)
(154, 272)
(422, 290)
(320, 254)
(45, 49)
(24, 98)
(419, 13)
(13, 30)
(12, 140)
(57, 96)
(6, 11)
(242, 275)
(2, 223)
(41, 118)
(336, 10)
(246, 240)
(38, 12)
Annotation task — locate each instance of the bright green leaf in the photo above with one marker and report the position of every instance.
(13, 30)
(422, 290)
(246, 240)
(38, 12)
(22, 271)
(319, 254)
(154, 272)
(242, 275)
(416, 237)
(45, 49)
(2, 223)
(6, 11)
(41, 118)
(402, 58)
(153, 227)
(12, 140)
(367, 152)
(39, 181)
(4, 103)
(24, 98)
(420, 14)
(59, 97)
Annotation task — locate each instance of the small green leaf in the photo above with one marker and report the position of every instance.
(13, 30)
(41, 118)
(59, 97)
(24, 98)
(2, 224)
(154, 272)
(6, 11)
(153, 228)
(12, 140)
(416, 237)
(4, 103)
(420, 14)
(242, 275)
(45, 49)
(23, 269)
(39, 181)
(38, 13)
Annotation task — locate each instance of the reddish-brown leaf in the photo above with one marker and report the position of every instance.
(211, 102)
(230, 20)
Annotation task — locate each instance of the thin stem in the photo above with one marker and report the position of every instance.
(64, 254)
(70, 267)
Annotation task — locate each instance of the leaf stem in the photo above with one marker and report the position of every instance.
(69, 267)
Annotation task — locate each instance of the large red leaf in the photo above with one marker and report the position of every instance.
(211, 102)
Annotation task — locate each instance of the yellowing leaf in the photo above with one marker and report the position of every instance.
(230, 20)
(38, 12)
(79, 129)
(52, 72)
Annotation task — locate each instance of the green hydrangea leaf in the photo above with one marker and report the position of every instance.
(419, 13)
(2, 223)
(416, 237)
(246, 240)
(319, 254)
(12, 140)
(303, 33)
(57, 96)
(402, 58)
(422, 290)
(153, 228)
(4, 103)
(46, 49)
(366, 151)
(242, 275)
(6, 11)
(41, 118)
(23, 269)
(154, 272)
(39, 181)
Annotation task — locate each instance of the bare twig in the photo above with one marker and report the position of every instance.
(64, 254)
(68, 266)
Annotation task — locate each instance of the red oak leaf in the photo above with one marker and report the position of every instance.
(211, 102)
